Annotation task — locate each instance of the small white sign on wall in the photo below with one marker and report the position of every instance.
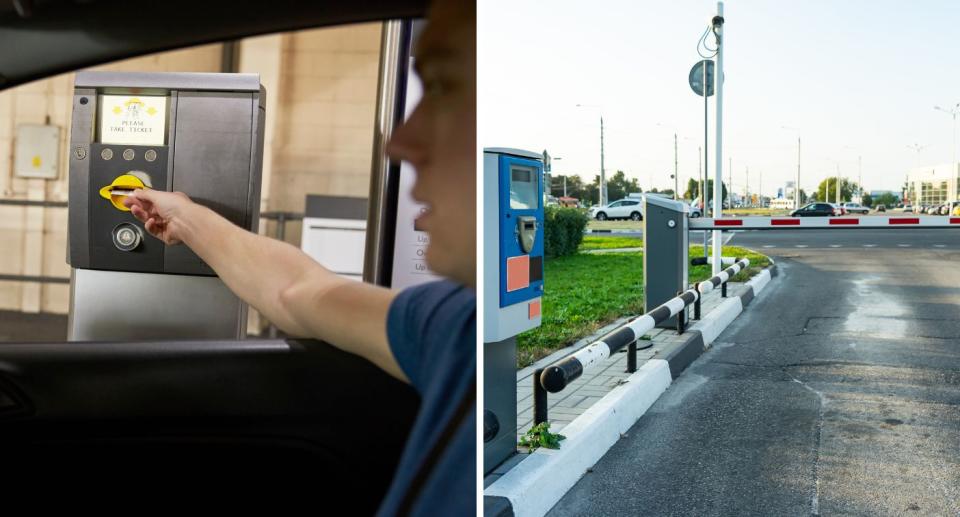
(37, 151)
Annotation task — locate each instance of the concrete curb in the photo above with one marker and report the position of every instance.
(538, 482)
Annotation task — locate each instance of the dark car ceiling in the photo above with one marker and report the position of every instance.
(40, 38)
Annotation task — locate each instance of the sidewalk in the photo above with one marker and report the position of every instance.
(582, 393)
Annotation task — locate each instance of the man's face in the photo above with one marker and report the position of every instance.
(439, 139)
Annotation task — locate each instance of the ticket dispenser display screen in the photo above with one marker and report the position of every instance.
(523, 188)
(132, 120)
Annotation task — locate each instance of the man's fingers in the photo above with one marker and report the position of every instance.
(145, 196)
(138, 212)
(153, 227)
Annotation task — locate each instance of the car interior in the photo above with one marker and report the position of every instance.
(226, 421)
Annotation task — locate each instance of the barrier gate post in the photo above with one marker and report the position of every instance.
(665, 253)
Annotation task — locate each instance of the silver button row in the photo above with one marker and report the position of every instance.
(129, 154)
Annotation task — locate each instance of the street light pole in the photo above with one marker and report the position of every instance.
(603, 175)
(796, 189)
(676, 168)
(603, 172)
(838, 183)
(953, 143)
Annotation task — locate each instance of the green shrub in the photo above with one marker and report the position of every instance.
(563, 230)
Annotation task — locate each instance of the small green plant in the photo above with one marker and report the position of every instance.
(540, 436)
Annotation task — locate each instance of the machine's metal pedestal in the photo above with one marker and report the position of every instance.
(118, 305)
(666, 250)
(500, 400)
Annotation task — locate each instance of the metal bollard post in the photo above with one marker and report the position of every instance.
(680, 315)
(696, 308)
(723, 290)
(632, 357)
(539, 399)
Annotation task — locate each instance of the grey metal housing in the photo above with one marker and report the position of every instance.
(666, 246)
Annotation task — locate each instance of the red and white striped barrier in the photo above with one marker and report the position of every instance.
(782, 223)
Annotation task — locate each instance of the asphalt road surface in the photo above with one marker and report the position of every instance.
(836, 393)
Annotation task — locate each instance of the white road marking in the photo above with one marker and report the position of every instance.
(903, 245)
(832, 245)
(800, 246)
(869, 245)
(935, 245)
(769, 246)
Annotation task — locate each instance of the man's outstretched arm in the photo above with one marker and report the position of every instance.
(292, 290)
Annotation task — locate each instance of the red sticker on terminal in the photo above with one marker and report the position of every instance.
(518, 273)
(533, 309)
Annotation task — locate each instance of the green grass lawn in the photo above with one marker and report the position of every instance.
(596, 242)
(584, 292)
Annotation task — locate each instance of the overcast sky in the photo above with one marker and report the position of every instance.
(856, 77)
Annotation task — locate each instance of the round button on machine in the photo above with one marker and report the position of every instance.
(106, 154)
(127, 237)
(150, 155)
(129, 154)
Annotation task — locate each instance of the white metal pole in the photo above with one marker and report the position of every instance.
(706, 146)
(706, 153)
(717, 184)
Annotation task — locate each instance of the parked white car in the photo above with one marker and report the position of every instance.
(622, 209)
(854, 208)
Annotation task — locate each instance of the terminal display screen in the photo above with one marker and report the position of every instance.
(133, 120)
(523, 188)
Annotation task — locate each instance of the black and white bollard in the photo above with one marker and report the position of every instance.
(557, 376)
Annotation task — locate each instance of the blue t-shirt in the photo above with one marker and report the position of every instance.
(432, 330)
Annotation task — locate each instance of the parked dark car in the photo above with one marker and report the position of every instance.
(880, 208)
(814, 210)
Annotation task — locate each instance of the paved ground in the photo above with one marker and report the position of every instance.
(836, 393)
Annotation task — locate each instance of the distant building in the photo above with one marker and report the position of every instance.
(780, 203)
(933, 185)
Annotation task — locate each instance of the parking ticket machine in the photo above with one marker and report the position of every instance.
(513, 284)
(197, 133)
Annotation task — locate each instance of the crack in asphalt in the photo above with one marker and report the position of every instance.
(815, 468)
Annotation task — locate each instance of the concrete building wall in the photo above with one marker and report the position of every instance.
(321, 90)
(935, 184)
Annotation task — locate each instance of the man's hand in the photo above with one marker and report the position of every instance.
(162, 213)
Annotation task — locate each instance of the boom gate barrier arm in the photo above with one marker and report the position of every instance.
(782, 223)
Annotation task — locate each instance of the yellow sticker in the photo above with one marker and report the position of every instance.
(36, 162)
